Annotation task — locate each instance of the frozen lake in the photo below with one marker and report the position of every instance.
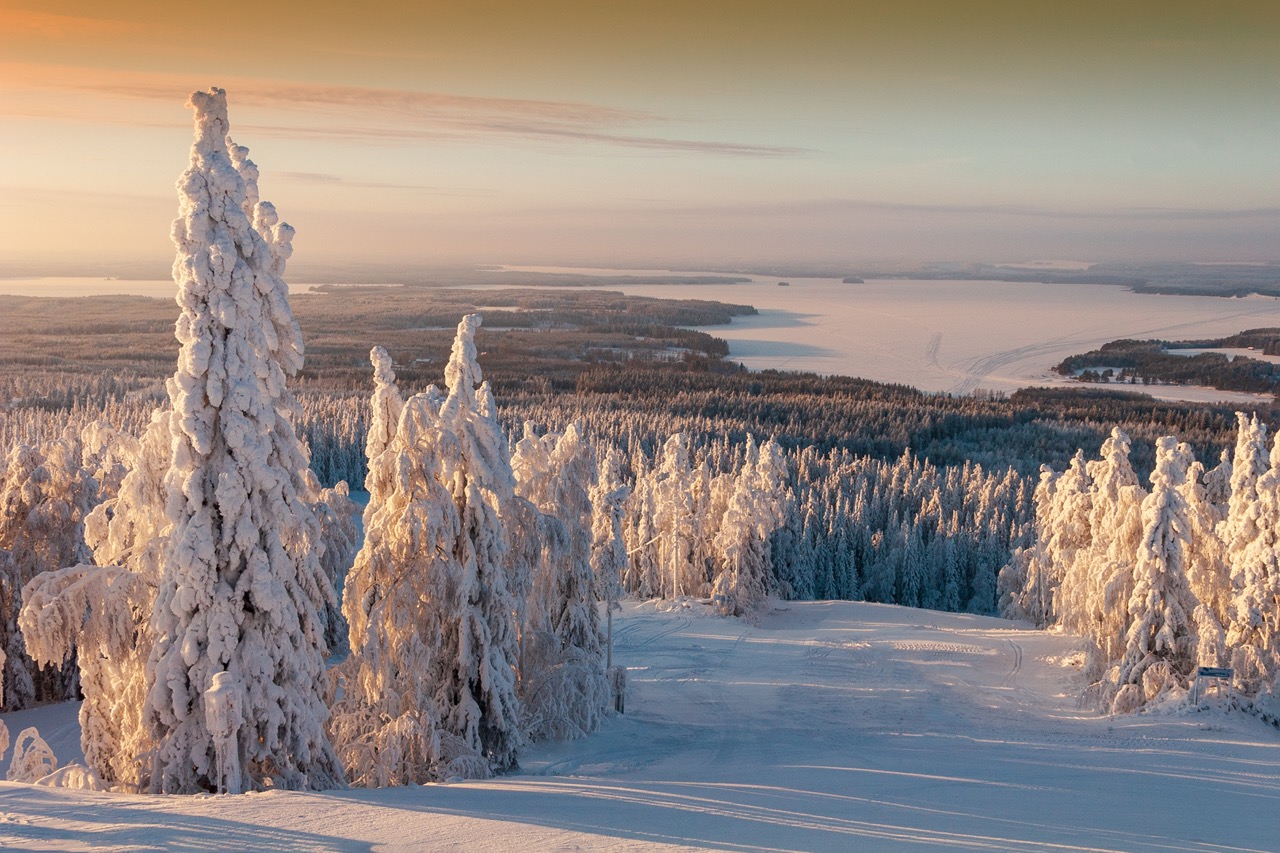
(954, 336)
(949, 336)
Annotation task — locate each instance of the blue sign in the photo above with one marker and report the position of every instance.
(1213, 672)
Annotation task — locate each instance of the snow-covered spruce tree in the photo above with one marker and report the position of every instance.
(675, 521)
(1207, 571)
(742, 582)
(1098, 586)
(1069, 529)
(1161, 642)
(336, 515)
(478, 475)
(1253, 617)
(403, 602)
(106, 610)
(45, 494)
(236, 669)
(1023, 583)
(608, 542)
(642, 576)
(563, 684)
(1239, 528)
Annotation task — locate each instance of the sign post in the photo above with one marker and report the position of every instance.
(1215, 672)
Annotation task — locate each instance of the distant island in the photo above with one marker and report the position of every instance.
(1201, 362)
(853, 279)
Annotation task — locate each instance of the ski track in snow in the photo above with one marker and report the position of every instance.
(822, 726)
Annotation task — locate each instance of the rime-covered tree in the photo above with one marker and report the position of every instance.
(1253, 617)
(742, 584)
(106, 609)
(1024, 582)
(563, 682)
(403, 602)
(236, 670)
(1161, 641)
(1207, 572)
(1240, 526)
(675, 521)
(45, 494)
(608, 543)
(478, 475)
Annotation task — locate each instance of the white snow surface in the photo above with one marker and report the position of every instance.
(826, 726)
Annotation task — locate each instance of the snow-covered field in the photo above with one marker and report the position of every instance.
(827, 726)
(955, 336)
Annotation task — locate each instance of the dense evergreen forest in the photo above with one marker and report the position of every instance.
(893, 494)
(1182, 363)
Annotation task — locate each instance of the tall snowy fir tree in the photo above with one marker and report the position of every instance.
(608, 542)
(562, 658)
(1253, 617)
(478, 475)
(742, 583)
(1161, 644)
(403, 603)
(236, 672)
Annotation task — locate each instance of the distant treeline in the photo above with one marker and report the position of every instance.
(1154, 361)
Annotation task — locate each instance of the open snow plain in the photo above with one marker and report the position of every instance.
(954, 336)
(827, 726)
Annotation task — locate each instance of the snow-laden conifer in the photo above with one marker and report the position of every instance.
(608, 539)
(742, 583)
(675, 521)
(1207, 572)
(1250, 461)
(105, 609)
(236, 670)
(1161, 642)
(45, 494)
(1253, 619)
(562, 659)
(404, 604)
(479, 477)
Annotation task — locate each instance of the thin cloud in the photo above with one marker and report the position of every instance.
(828, 207)
(367, 114)
(326, 179)
(468, 130)
(29, 23)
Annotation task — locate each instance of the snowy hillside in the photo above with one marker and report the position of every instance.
(827, 726)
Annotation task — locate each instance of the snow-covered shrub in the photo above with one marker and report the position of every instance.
(32, 757)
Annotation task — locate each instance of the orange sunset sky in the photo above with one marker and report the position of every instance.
(664, 133)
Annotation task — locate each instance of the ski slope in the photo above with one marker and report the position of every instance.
(826, 726)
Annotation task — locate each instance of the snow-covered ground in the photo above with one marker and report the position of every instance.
(827, 726)
(955, 336)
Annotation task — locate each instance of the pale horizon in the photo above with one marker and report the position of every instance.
(827, 133)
